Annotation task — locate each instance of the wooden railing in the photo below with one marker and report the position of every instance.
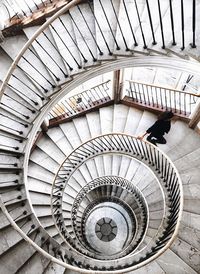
(81, 102)
(162, 98)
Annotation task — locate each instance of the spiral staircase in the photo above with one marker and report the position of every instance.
(79, 192)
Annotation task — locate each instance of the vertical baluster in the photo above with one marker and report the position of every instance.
(140, 24)
(185, 105)
(28, 6)
(193, 45)
(118, 23)
(151, 90)
(143, 93)
(175, 93)
(151, 23)
(109, 51)
(93, 37)
(180, 103)
(172, 23)
(155, 158)
(134, 91)
(182, 26)
(158, 161)
(71, 54)
(109, 25)
(190, 103)
(147, 92)
(126, 11)
(151, 154)
(165, 99)
(161, 102)
(66, 108)
(130, 90)
(54, 61)
(140, 95)
(161, 25)
(156, 95)
(170, 100)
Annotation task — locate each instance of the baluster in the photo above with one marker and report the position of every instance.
(131, 28)
(152, 97)
(65, 106)
(140, 93)
(54, 61)
(28, 6)
(161, 101)
(193, 44)
(135, 92)
(109, 51)
(63, 42)
(15, 120)
(182, 26)
(97, 94)
(180, 111)
(151, 24)
(135, 148)
(118, 23)
(74, 41)
(138, 148)
(172, 23)
(22, 104)
(18, 131)
(93, 37)
(112, 34)
(19, 197)
(71, 107)
(161, 25)
(53, 45)
(41, 74)
(35, 81)
(165, 99)
(185, 105)
(145, 94)
(190, 103)
(19, 92)
(140, 24)
(156, 95)
(127, 144)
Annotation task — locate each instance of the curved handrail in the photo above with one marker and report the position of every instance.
(31, 40)
(140, 150)
(124, 184)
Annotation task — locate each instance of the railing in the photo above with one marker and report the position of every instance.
(35, 80)
(137, 200)
(145, 152)
(162, 98)
(81, 102)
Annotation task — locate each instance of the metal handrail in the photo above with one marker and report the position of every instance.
(143, 151)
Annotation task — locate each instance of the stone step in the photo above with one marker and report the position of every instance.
(171, 263)
(35, 264)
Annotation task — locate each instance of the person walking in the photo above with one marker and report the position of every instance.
(159, 128)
